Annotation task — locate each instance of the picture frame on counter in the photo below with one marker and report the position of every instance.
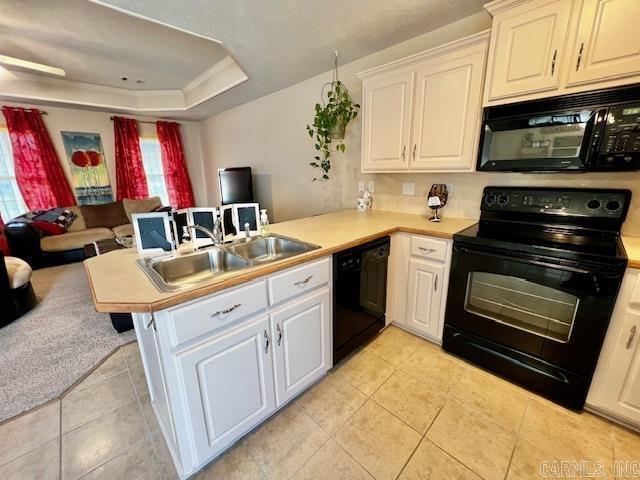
(152, 233)
(203, 217)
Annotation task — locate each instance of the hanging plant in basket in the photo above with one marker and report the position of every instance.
(330, 122)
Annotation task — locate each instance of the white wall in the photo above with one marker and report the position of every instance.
(73, 120)
(269, 135)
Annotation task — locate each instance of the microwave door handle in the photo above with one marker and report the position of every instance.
(594, 132)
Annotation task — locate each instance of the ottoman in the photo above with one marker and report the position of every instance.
(16, 293)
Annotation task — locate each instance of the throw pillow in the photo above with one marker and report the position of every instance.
(107, 215)
(48, 228)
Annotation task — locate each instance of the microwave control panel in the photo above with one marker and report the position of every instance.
(620, 145)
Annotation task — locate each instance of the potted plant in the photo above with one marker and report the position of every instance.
(330, 121)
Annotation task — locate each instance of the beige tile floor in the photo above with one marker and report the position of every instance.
(399, 408)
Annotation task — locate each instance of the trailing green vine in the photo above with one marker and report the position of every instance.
(329, 123)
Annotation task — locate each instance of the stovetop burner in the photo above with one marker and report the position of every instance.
(579, 224)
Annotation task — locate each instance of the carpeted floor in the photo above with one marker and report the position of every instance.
(44, 352)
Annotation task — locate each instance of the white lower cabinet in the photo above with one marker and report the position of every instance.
(230, 381)
(417, 292)
(615, 389)
(301, 335)
(237, 361)
(424, 296)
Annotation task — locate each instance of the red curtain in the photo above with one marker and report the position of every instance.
(174, 165)
(4, 246)
(131, 181)
(39, 174)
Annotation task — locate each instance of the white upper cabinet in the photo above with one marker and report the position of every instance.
(544, 48)
(607, 43)
(527, 44)
(422, 113)
(446, 112)
(387, 121)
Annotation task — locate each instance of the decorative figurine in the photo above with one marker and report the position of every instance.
(437, 199)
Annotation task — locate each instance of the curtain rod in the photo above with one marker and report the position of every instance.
(147, 121)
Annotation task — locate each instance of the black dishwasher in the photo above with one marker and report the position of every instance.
(359, 295)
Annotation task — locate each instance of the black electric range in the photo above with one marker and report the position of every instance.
(533, 285)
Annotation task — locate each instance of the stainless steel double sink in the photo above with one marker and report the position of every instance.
(170, 273)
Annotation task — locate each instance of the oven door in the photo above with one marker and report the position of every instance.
(558, 312)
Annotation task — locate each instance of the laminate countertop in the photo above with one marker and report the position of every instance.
(119, 285)
(632, 246)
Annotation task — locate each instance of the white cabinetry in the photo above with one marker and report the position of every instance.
(422, 113)
(607, 44)
(615, 389)
(229, 381)
(423, 296)
(301, 344)
(387, 121)
(218, 366)
(527, 46)
(418, 291)
(542, 48)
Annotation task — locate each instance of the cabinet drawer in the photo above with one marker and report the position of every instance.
(216, 312)
(429, 248)
(297, 280)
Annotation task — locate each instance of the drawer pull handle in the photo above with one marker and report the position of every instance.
(553, 62)
(226, 310)
(435, 284)
(632, 334)
(266, 343)
(404, 148)
(279, 333)
(303, 283)
(427, 250)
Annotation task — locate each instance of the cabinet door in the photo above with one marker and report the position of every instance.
(302, 344)
(424, 295)
(229, 385)
(386, 126)
(447, 112)
(619, 392)
(527, 48)
(608, 44)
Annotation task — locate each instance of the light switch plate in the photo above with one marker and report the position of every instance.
(372, 186)
(408, 188)
(360, 186)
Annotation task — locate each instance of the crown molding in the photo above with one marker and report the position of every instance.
(498, 6)
(480, 38)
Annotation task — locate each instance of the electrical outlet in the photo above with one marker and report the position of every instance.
(360, 186)
(372, 186)
(450, 188)
(408, 188)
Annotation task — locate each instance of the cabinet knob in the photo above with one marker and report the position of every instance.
(266, 343)
(632, 334)
(553, 62)
(279, 331)
(435, 284)
(413, 154)
(404, 149)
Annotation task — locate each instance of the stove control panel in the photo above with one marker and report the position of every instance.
(570, 202)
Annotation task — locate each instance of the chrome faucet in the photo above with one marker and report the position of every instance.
(215, 235)
(247, 231)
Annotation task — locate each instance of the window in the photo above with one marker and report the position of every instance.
(11, 202)
(152, 161)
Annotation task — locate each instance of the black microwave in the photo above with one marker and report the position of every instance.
(592, 131)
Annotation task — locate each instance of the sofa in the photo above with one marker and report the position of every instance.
(93, 223)
(16, 293)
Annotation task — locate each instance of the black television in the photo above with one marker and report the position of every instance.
(236, 185)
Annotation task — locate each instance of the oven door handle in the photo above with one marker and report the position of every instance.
(524, 258)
